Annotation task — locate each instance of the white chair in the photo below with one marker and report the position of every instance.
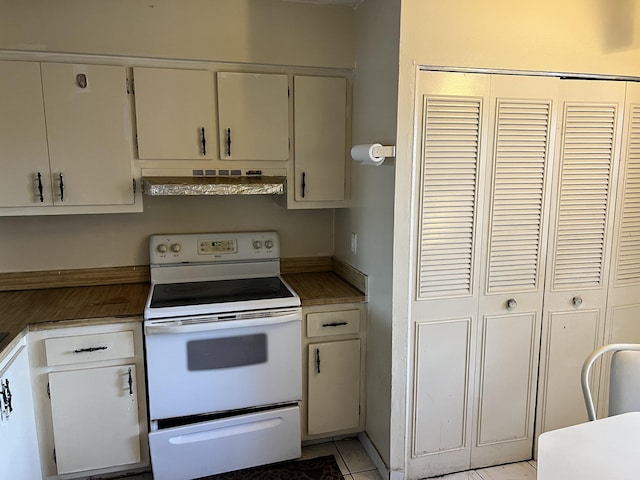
(624, 378)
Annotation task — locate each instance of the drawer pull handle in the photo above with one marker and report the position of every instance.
(317, 360)
(130, 382)
(90, 349)
(334, 324)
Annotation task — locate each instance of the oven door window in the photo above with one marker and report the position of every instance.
(227, 352)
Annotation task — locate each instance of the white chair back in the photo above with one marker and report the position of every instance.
(624, 382)
(624, 378)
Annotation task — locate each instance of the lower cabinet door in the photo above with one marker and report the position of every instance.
(19, 457)
(334, 386)
(95, 418)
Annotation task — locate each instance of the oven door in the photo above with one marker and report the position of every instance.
(204, 364)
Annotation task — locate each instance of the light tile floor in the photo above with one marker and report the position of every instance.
(511, 471)
(350, 455)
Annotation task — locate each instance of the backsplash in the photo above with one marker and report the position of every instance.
(89, 241)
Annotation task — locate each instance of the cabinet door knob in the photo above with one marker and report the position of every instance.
(228, 142)
(60, 176)
(130, 382)
(576, 301)
(40, 187)
(304, 183)
(511, 304)
(203, 139)
(317, 360)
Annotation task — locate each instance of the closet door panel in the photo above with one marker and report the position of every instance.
(523, 123)
(452, 123)
(586, 164)
(622, 323)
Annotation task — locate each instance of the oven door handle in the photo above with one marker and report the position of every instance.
(220, 324)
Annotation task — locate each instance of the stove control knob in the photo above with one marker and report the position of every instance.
(175, 247)
(268, 244)
(162, 248)
(257, 244)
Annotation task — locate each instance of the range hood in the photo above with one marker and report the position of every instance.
(215, 185)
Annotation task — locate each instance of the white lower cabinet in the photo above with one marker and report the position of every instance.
(95, 418)
(90, 399)
(334, 384)
(19, 456)
(334, 348)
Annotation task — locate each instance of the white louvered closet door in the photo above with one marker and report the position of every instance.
(622, 323)
(523, 125)
(449, 160)
(579, 245)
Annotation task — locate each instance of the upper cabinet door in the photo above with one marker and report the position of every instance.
(320, 112)
(89, 132)
(24, 158)
(174, 113)
(253, 116)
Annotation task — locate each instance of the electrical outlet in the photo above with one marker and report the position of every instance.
(354, 242)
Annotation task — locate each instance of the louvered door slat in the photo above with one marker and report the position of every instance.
(521, 149)
(449, 182)
(628, 267)
(586, 163)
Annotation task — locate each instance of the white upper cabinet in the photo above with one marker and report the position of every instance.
(89, 133)
(24, 156)
(174, 113)
(320, 136)
(253, 116)
(65, 138)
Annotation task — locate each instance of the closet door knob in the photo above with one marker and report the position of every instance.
(576, 301)
(511, 304)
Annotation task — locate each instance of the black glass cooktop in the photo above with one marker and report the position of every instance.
(218, 291)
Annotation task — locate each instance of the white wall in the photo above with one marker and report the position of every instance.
(240, 31)
(267, 32)
(371, 215)
(573, 36)
(85, 241)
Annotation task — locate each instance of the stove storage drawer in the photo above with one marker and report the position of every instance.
(207, 448)
(89, 348)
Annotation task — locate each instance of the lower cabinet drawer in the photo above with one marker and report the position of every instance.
(339, 322)
(232, 443)
(89, 348)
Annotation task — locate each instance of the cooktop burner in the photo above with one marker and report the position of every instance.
(218, 291)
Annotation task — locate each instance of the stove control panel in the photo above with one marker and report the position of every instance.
(213, 247)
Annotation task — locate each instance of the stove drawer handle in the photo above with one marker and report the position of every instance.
(89, 349)
(221, 325)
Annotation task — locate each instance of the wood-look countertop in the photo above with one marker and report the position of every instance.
(323, 288)
(77, 306)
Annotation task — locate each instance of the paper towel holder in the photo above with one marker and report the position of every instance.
(372, 153)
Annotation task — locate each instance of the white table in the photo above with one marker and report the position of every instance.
(606, 449)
